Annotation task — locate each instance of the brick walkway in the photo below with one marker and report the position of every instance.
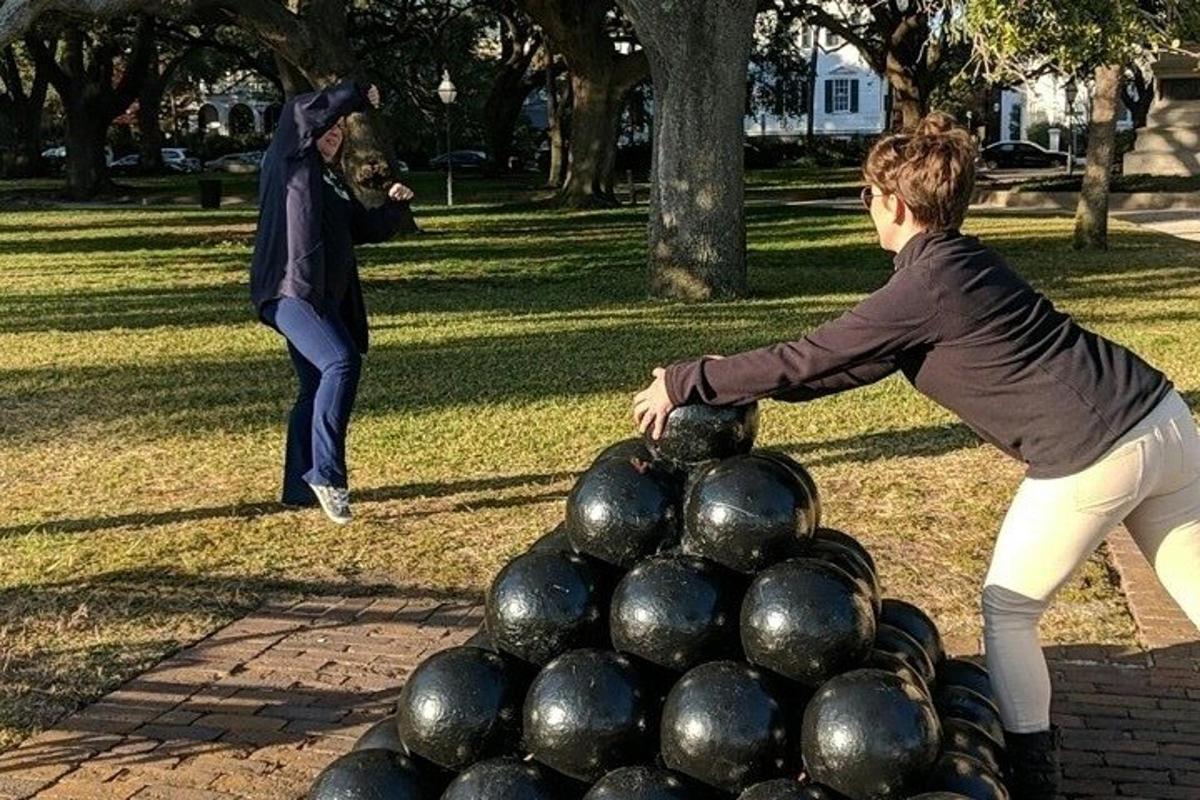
(257, 709)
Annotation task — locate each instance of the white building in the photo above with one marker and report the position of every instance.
(1043, 102)
(852, 99)
(240, 103)
(850, 95)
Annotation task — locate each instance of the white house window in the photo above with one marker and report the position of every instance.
(841, 96)
(832, 39)
(806, 37)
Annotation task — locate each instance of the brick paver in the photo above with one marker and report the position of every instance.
(260, 707)
(255, 710)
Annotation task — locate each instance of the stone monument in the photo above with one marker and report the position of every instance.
(1170, 142)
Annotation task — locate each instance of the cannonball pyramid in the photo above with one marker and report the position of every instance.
(689, 631)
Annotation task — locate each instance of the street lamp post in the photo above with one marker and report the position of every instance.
(1071, 91)
(448, 94)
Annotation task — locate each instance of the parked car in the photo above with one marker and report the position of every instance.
(236, 162)
(177, 159)
(460, 159)
(1006, 155)
(127, 163)
(56, 157)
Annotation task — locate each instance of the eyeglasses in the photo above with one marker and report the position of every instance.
(868, 197)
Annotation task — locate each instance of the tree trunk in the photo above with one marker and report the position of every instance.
(908, 103)
(595, 114)
(555, 107)
(21, 110)
(699, 55)
(519, 47)
(150, 126)
(87, 162)
(291, 78)
(1091, 215)
(600, 77)
(501, 111)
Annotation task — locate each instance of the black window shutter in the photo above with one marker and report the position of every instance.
(854, 96)
(828, 97)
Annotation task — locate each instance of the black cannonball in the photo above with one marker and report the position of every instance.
(968, 777)
(676, 611)
(542, 604)
(589, 712)
(622, 511)
(961, 703)
(917, 624)
(881, 659)
(891, 639)
(481, 639)
(747, 513)
(870, 735)
(641, 783)
(968, 739)
(383, 735)
(851, 561)
(939, 796)
(634, 449)
(374, 774)
(698, 432)
(846, 540)
(803, 475)
(789, 789)
(506, 779)
(961, 672)
(807, 620)
(461, 705)
(555, 541)
(723, 726)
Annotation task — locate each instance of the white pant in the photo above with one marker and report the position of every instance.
(1150, 480)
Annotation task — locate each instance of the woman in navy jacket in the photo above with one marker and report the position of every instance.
(304, 282)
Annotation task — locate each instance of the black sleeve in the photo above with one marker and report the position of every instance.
(898, 316)
(371, 225)
(312, 114)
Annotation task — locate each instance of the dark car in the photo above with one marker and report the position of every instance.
(461, 159)
(1007, 155)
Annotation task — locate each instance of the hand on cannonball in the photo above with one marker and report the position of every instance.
(653, 405)
(399, 193)
(373, 96)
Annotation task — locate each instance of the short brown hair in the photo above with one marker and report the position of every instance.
(931, 168)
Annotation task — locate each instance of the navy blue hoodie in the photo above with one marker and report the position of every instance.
(294, 255)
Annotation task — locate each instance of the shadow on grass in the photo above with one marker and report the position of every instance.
(249, 511)
(921, 442)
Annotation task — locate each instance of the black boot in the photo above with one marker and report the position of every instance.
(1033, 764)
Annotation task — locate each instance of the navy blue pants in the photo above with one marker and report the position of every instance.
(328, 365)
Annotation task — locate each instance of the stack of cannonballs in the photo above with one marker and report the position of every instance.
(690, 631)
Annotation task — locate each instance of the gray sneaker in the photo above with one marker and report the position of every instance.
(335, 502)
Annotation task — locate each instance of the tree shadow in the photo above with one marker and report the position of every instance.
(249, 511)
(925, 441)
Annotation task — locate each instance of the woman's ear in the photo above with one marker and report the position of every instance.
(899, 209)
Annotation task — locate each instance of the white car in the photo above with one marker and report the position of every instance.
(236, 162)
(178, 160)
(56, 156)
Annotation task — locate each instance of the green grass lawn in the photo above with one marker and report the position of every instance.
(771, 185)
(142, 413)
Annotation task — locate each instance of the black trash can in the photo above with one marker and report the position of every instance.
(210, 193)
